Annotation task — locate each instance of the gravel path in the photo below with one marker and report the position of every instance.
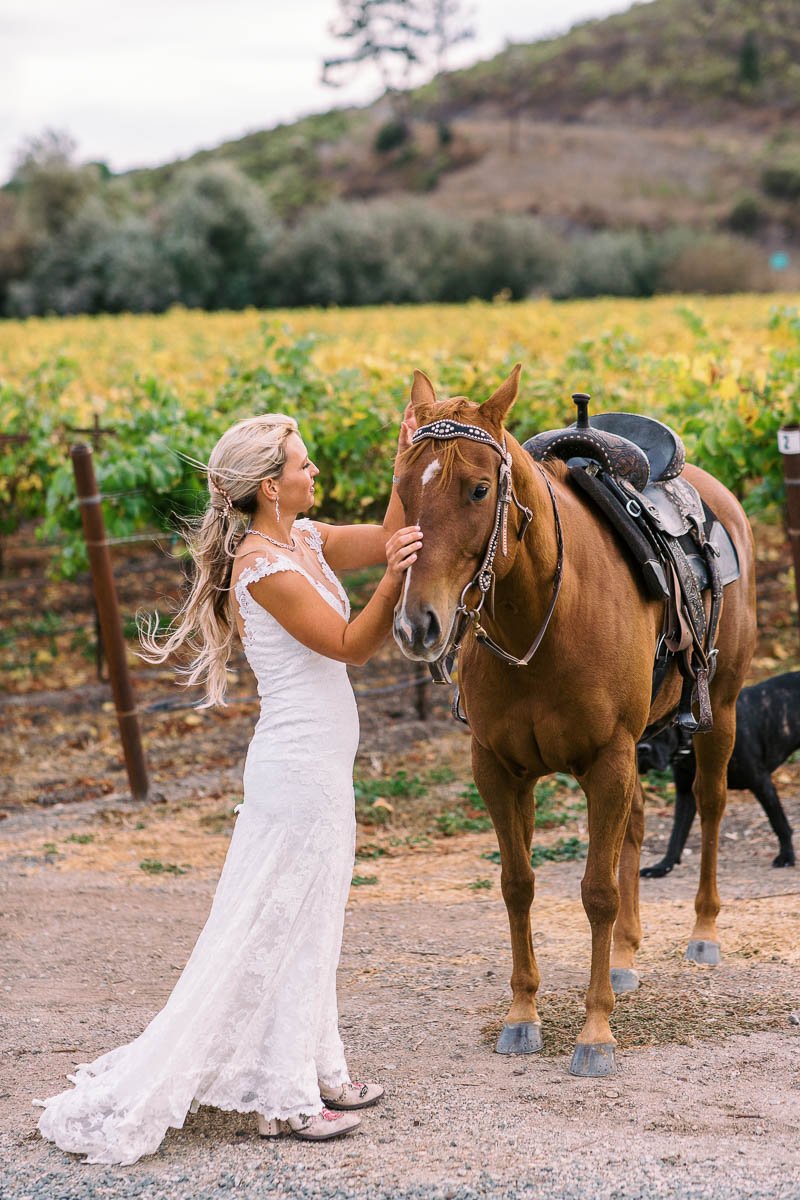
(706, 1102)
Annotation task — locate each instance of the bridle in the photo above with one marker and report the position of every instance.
(446, 430)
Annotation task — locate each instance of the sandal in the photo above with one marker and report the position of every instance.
(317, 1128)
(348, 1096)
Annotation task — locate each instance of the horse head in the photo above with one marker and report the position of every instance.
(450, 489)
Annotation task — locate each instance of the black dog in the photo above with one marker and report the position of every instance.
(767, 732)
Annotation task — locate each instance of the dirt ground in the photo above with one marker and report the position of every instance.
(709, 1061)
(102, 900)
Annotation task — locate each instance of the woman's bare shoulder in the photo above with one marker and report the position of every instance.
(246, 560)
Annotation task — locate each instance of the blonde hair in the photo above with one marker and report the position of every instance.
(248, 453)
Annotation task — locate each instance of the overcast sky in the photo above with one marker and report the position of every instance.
(146, 81)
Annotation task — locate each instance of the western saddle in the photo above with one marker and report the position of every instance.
(629, 467)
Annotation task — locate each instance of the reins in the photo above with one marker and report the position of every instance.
(484, 579)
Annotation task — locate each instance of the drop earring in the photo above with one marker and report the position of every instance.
(277, 510)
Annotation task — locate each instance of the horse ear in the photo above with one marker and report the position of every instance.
(423, 396)
(497, 407)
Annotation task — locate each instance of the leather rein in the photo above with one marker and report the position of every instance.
(484, 579)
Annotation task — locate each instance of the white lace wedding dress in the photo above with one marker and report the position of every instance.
(252, 1023)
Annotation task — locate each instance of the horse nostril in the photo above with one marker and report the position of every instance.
(433, 629)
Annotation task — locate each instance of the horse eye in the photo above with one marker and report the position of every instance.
(480, 491)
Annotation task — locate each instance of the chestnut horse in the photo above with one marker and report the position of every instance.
(584, 699)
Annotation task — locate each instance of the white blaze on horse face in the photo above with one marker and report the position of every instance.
(401, 620)
(430, 471)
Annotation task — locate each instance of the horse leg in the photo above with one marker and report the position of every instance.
(511, 807)
(712, 752)
(627, 935)
(609, 785)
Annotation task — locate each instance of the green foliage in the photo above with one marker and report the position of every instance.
(781, 178)
(372, 794)
(216, 233)
(364, 880)
(349, 254)
(146, 485)
(370, 850)
(154, 867)
(284, 162)
(564, 850)
(480, 885)
(51, 185)
(662, 783)
(391, 135)
(457, 820)
(750, 59)
(617, 264)
(747, 216)
(553, 807)
(674, 54)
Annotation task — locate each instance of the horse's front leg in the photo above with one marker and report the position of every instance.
(628, 927)
(511, 806)
(712, 752)
(609, 785)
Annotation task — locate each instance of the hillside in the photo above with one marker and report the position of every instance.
(704, 61)
(669, 112)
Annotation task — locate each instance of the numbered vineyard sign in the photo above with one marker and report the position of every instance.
(789, 439)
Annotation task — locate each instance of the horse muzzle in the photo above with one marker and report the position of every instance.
(419, 633)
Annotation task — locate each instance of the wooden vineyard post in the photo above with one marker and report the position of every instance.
(105, 594)
(789, 446)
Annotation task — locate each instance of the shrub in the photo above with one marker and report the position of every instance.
(64, 276)
(515, 255)
(781, 178)
(216, 232)
(717, 265)
(746, 216)
(609, 264)
(386, 253)
(391, 134)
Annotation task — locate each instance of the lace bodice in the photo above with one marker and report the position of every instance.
(277, 560)
(296, 685)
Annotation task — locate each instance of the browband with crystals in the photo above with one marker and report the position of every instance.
(445, 430)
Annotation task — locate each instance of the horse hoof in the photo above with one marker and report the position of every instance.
(593, 1060)
(624, 979)
(523, 1037)
(703, 952)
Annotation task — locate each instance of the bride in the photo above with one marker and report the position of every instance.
(252, 1022)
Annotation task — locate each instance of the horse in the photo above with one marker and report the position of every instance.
(579, 700)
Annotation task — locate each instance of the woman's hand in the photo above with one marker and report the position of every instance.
(401, 551)
(408, 426)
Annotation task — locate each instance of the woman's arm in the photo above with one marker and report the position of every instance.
(309, 618)
(350, 547)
